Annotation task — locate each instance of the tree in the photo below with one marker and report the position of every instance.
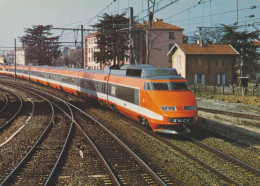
(243, 43)
(39, 45)
(112, 38)
(71, 57)
(212, 35)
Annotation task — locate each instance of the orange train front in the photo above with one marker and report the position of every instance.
(156, 97)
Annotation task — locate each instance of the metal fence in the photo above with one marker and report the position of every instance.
(226, 90)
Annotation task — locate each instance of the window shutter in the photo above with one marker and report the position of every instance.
(223, 79)
(203, 79)
(195, 79)
(218, 79)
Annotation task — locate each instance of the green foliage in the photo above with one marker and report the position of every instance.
(40, 46)
(112, 38)
(242, 41)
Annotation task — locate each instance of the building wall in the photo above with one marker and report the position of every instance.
(91, 47)
(216, 69)
(160, 45)
(20, 59)
(1, 60)
(179, 63)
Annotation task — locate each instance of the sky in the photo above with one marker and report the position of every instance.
(16, 15)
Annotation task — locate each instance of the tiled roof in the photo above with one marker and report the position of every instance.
(256, 43)
(158, 24)
(213, 49)
(92, 35)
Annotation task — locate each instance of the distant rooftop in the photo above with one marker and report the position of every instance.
(209, 49)
(158, 24)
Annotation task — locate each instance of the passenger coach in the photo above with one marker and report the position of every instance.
(156, 97)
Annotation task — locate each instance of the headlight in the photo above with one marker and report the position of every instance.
(190, 107)
(168, 108)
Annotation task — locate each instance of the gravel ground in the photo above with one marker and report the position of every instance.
(228, 106)
(168, 161)
(233, 127)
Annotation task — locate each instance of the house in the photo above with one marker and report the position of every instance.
(210, 64)
(153, 42)
(20, 57)
(91, 47)
(2, 59)
(70, 57)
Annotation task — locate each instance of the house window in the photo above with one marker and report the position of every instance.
(221, 79)
(171, 35)
(170, 56)
(221, 62)
(178, 61)
(199, 61)
(199, 79)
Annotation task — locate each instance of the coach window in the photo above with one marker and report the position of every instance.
(147, 86)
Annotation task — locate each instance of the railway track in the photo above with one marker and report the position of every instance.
(35, 164)
(120, 168)
(235, 114)
(226, 167)
(11, 109)
(3, 105)
(246, 171)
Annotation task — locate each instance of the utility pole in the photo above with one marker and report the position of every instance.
(150, 13)
(82, 48)
(237, 11)
(14, 59)
(150, 16)
(131, 19)
(82, 39)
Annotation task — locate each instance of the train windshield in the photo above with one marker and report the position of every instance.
(166, 86)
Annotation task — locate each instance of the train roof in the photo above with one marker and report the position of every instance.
(145, 71)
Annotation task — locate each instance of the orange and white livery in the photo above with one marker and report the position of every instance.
(156, 97)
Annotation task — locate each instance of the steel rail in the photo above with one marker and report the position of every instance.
(226, 156)
(18, 111)
(65, 145)
(11, 174)
(106, 164)
(135, 156)
(48, 182)
(185, 153)
(247, 116)
(6, 101)
(204, 164)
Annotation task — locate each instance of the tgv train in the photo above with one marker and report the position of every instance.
(155, 97)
